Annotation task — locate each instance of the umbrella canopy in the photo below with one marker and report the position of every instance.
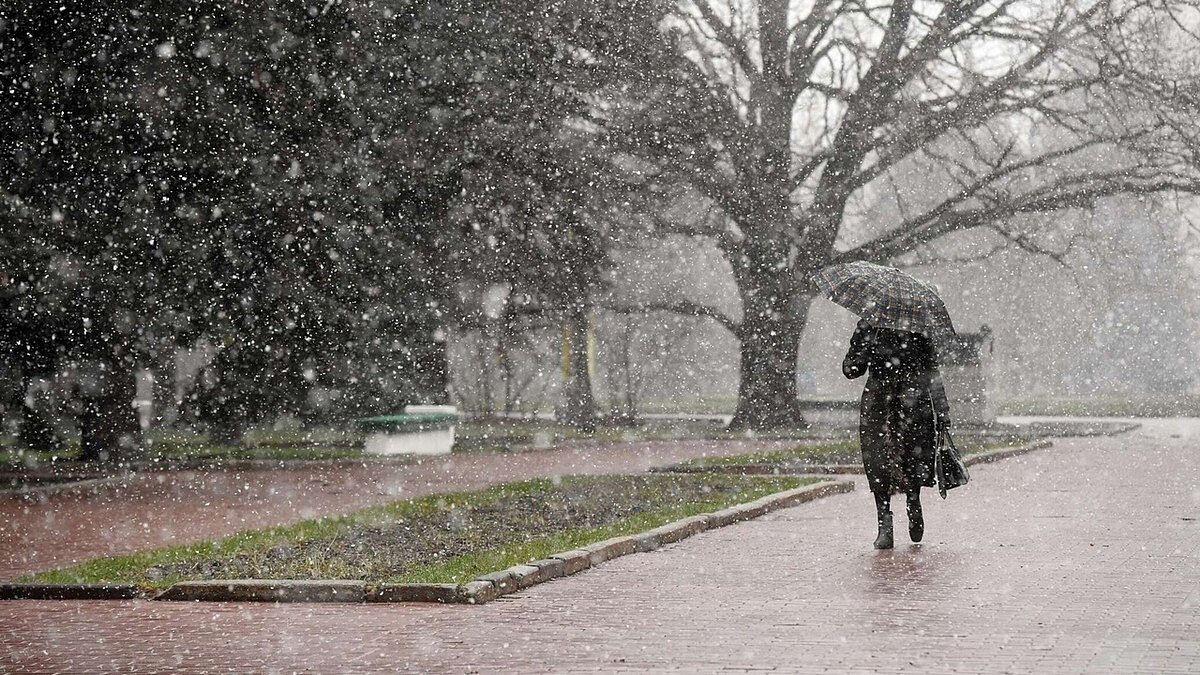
(887, 297)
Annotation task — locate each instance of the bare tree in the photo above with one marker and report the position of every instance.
(789, 116)
(644, 352)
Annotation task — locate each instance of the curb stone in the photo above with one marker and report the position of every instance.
(648, 541)
(526, 575)
(574, 561)
(1004, 453)
(682, 529)
(266, 590)
(725, 517)
(609, 549)
(34, 591)
(479, 591)
(550, 568)
(502, 580)
(443, 593)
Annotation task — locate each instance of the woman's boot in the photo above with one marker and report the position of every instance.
(916, 520)
(883, 509)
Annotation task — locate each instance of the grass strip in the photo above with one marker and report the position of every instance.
(256, 452)
(19, 459)
(839, 452)
(501, 435)
(831, 452)
(449, 538)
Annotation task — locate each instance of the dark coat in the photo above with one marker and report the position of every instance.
(902, 403)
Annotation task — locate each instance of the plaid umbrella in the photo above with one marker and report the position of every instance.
(887, 297)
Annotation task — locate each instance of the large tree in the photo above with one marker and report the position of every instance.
(81, 166)
(537, 198)
(790, 117)
(276, 179)
(215, 174)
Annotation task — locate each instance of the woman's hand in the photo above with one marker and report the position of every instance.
(855, 363)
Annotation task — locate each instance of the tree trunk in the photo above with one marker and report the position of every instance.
(109, 429)
(227, 427)
(36, 433)
(772, 314)
(579, 405)
(772, 320)
(431, 377)
(222, 401)
(486, 403)
(631, 410)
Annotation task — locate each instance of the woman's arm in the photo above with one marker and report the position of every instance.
(855, 363)
(937, 389)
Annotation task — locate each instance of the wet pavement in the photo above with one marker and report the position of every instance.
(1081, 558)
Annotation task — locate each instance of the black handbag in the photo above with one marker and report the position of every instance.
(948, 464)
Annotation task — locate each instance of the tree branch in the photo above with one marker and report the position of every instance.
(684, 307)
(723, 34)
(1079, 191)
(863, 113)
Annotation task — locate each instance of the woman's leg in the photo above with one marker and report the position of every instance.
(916, 519)
(883, 511)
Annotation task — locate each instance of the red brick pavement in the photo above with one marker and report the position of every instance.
(1082, 558)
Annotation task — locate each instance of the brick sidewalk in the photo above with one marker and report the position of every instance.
(1082, 558)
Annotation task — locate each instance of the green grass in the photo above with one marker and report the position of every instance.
(317, 435)
(254, 452)
(463, 568)
(13, 457)
(133, 568)
(847, 449)
(839, 452)
(173, 446)
(507, 435)
(19, 459)
(1140, 405)
(971, 446)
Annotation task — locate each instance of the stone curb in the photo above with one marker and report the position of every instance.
(574, 561)
(839, 469)
(444, 593)
(1004, 453)
(266, 590)
(479, 591)
(34, 591)
(608, 549)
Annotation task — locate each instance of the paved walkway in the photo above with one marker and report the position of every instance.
(1082, 558)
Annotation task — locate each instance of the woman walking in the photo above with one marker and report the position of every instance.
(903, 410)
